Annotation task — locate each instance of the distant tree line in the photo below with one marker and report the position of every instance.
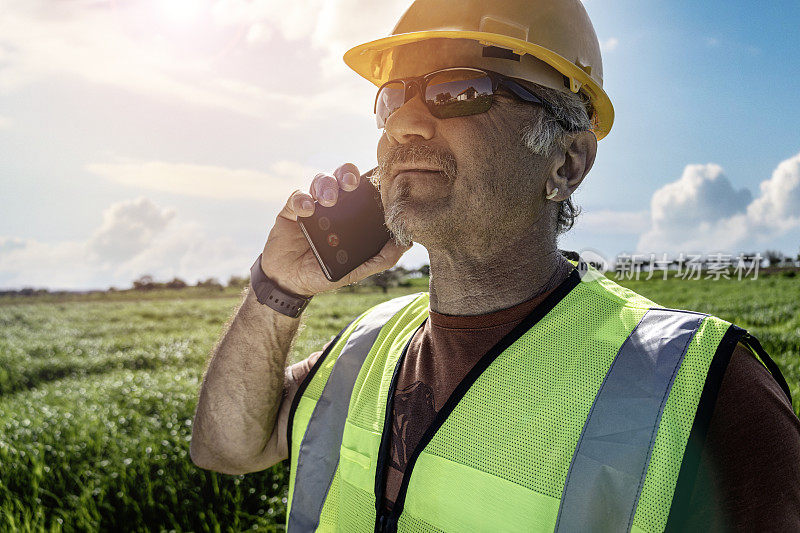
(148, 283)
(393, 277)
(397, 276)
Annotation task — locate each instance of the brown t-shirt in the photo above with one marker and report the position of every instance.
(749, 473)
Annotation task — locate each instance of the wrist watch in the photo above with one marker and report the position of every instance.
(268, 293)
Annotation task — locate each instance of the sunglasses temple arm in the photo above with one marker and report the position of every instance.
(528, 96)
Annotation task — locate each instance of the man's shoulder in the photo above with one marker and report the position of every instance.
(750, 458)
(750, 391)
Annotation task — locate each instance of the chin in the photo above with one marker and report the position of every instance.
(397, 222)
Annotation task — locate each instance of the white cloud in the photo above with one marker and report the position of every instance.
(334, 25)
(258, 34)
(330, 26)
(208, 181)
(702, 194)
(779, 203)
(712, 41)
(703, 212)
(128, 228)
(136, 237)
(38, 264)
(8, 244)
(609, 45)
(128, 47)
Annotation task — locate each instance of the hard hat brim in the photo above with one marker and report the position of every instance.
(365, 59)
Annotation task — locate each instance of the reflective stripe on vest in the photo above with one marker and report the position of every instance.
(319, 450)
(608, 468)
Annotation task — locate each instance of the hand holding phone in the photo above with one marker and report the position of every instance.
(289, 257)
(348, 233)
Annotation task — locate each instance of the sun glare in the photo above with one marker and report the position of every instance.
(182, 12)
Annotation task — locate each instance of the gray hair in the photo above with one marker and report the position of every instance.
(548, 134)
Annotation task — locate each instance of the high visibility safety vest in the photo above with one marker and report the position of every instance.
(588, 416)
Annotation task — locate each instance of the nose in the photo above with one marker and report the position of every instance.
(412, 121)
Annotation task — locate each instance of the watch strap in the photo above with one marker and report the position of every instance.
(268, 293)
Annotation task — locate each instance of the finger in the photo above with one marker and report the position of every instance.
(298, 204)
(325, 189)
(348, 176)
(389, 255)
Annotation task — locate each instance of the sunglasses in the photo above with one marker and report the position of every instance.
(452, 92)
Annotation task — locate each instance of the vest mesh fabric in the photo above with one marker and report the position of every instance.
(676, 423)
(329, 518)
(356, 510)
(360, 509)
(370, 382)
(366, 415)
(500, 459)
(410, 523)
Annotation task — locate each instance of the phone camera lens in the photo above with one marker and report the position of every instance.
(324, 223)
(341, 256)
(333, 240)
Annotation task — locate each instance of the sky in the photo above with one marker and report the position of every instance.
(163, 137)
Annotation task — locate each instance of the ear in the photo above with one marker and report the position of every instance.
(571, 165)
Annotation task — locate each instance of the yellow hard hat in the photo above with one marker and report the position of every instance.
(556, 32)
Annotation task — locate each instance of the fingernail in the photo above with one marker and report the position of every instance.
(329, 196)
(349, 178)
(307, 205)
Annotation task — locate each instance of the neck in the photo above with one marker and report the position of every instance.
(477, 282)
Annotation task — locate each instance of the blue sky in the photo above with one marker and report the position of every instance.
(161, 137)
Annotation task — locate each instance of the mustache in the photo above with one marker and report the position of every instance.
(412, 154)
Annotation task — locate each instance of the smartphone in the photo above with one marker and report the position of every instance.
(344, 236)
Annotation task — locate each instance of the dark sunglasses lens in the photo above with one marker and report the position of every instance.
(390, 98)
(458, 93)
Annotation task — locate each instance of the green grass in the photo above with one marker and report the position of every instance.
(96, 403)
(97, 395)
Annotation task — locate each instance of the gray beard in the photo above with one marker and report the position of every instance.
(396, 219)
(396, 213)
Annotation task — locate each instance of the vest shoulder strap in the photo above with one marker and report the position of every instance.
(610, 461)
(318, 455)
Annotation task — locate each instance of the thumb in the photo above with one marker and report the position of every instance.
(392, 252)
(385, 259)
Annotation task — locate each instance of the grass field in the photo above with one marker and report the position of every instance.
(97, 397)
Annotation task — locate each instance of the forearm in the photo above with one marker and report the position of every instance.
(242, 391)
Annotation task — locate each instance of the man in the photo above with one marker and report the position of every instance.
(524, 391)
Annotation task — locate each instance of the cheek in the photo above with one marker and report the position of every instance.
(490, 146)
(504, 168)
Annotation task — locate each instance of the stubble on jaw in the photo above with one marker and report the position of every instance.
(403, 202)
(396, 216)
